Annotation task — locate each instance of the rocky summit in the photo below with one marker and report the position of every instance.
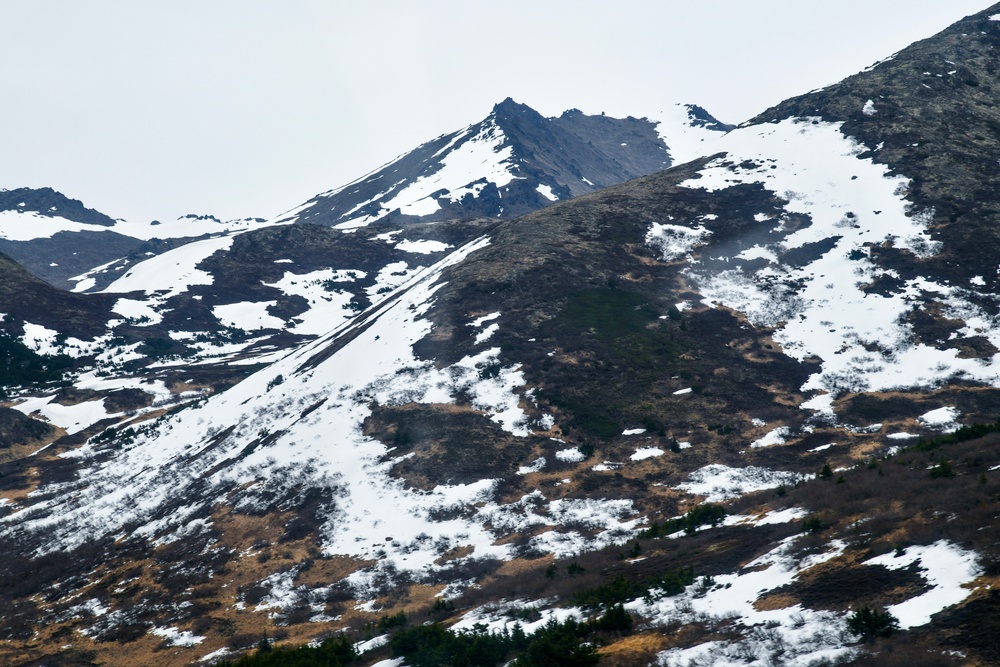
(740, 410)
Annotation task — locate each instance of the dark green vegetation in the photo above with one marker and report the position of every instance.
(869, 623)
(708, 514)
(569, 643)
(621, 589)
(332, 652)
(20, 365)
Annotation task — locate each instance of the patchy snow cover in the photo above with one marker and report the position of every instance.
(328, 307)
(467, 164)
(788, 636)
(480, 321)
(646, 453)
(176, 637)
(248, 315)
(769, 518)
(675, 241)
(633, 431)
(571, 455)
(718, 482)
(48, 341)
(945, 566)
(535, 466)
(423, 247)
(141, 313)
(503, 615)
(775, 437)
(371, 644)
(389, 278)
(486, 333)
(819, 308)
(274, 437)
(942, 419)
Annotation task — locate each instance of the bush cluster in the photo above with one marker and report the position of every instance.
(708, 514)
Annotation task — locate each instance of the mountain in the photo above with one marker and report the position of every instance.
(513, 162)
(63, 242)
(739, 411)
(209, 299)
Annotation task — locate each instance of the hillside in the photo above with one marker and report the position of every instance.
(743, 410)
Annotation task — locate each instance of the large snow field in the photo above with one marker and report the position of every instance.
(819, 309)
(173, 272)
(684, 140)
(28, 226)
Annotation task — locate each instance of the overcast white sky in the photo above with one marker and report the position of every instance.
(247, 108)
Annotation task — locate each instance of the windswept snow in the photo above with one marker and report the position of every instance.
(718, 482)
(172, 272)
(470, 160)
(820, 309)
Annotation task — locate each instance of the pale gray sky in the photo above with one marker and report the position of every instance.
(240, 108)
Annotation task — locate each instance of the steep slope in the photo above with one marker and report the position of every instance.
(513, 162)
(728, 397)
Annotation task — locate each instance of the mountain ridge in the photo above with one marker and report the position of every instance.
(532, 161)
(704, 416)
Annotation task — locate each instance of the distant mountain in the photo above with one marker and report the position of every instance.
(513, 162)
(49, 203)
(64, 243)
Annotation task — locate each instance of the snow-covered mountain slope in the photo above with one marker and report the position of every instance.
(513, 162)
(61, 241)
(728, 396)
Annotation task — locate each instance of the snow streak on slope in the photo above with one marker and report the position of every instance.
(299, 422)
(685, 137)
(821, 307)
(468, 163)
(188, 226)
(172, 272)
(28, 225)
